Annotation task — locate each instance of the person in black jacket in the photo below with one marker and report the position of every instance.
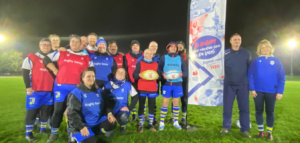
(88, 112)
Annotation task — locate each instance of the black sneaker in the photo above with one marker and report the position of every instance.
(140, 129)
(133, 119)
(224, 131)
(123, 130)
(269, 136)
(30, 138)
(183, 123)
(260, 135)
(44, 132)
(247, 134)
(171, 121)
(155, 123)
(52, 138)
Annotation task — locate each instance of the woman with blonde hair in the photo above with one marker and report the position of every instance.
(266, 82)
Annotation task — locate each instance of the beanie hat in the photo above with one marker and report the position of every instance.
(172, 43)
(180, 42)
(134, 42)
(101, 40)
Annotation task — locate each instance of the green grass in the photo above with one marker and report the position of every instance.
(286, 127)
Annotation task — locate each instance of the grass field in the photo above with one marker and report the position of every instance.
(286, 128)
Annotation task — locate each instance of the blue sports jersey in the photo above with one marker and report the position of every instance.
(120, 94)
(172, 64)
(91, 106)
(103, 66)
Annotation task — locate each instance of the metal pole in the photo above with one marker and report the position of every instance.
(292, 64)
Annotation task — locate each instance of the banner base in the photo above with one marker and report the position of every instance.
(190, 128)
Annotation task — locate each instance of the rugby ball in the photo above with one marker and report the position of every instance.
(150, 75)
(172, 74)
(239, 125)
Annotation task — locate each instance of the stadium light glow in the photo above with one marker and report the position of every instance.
(2, 38)
(292, 44)
(193, 55)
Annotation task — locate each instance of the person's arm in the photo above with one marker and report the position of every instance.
(49, 59)
(74, 112)
(109, 101)
(280, 77)
(125, 63)
(249, 60)
(26, 68)
(159, 74)
(184, 68)
(134, 98)
(136, 71)
(251, 72)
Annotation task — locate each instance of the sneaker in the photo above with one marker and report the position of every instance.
(176, 125)
(109, 133)
(260, 135)
(30, 138)
(133, 119)
(44, 132)
(171, 120)
(37, 121)
(161, 127)
(52, 138)
(71, 139)
(155, 123)
(123, 130)
(140, 129)
(183, 123)
(152, 128)
(269, 136)
(224, 131)
(247, 134)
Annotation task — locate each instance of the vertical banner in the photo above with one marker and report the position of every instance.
(206, 52)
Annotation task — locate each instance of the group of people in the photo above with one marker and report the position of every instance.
(90, 86)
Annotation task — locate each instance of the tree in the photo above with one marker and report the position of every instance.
(11, 61)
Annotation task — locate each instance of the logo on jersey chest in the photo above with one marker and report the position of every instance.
(41, 61)
(68, 55)
(122, 90)
(84, 95)
(272, 62)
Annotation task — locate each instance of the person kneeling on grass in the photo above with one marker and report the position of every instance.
(147, 88)
(266, 78)
(88, 112)
(119, 89)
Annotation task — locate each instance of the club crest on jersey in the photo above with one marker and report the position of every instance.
(84, 95)
(41, 61)
(106, 58)
(132, 59)
(272, 62)
(68, 54)
(119, 58)
(260, 61)
(122, 89)
(95, 57)
(82, 58)
(164, 92)
(97, 95)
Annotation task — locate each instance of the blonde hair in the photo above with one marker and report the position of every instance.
(264, 42)
(148, 50)
(53, 35)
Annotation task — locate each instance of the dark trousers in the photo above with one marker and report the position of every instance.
(59, 109)
(242, 94)
(31, 115)
(265, 98)
(151, 104)
(100, 83)
(184, 98)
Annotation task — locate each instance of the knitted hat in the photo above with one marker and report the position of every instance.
(101, 40)
(172, 43)
(180, 42)
(134, 42)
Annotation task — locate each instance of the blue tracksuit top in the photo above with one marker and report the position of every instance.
(266, 75)
(236, 66)
(156, 58)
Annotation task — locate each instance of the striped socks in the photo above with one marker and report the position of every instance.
(183, 116)
(163, 114)
(141, 120)
(133, 112)
(145, 109)
(43, 125)
(28, 129)
(176, 113)
(269, 129)
(260, 127)
(150, 116)
(54, 130)
(102, 130)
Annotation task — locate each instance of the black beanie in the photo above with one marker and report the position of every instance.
(180, 42)
(134, 42)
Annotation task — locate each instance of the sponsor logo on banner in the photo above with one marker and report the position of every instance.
(195, 75)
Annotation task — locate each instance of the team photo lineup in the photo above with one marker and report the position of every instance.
(95, 88)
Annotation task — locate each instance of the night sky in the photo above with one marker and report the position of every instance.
(27, 21)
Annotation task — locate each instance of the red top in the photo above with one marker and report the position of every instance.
(41, 79)
(70, 67)
(184, 57)
(147, 85)
(119, 60)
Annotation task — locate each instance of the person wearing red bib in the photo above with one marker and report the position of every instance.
(38, 88)
(146, 88)
(130, 60)
(71, 64)
(113, 51)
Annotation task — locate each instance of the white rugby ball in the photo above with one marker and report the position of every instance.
(239, 125)
(173, 74)
(150, 75)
